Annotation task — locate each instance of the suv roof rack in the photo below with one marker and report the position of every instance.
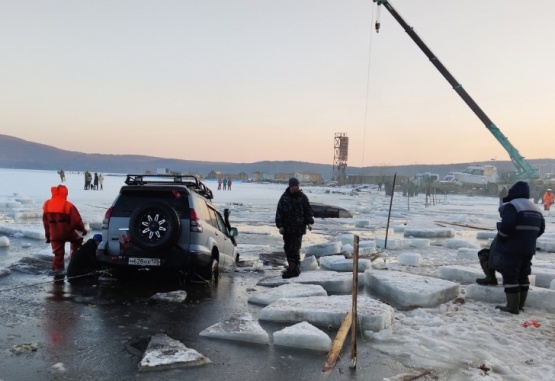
(189, 181)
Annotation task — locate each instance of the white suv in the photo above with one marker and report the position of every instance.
(167, 221)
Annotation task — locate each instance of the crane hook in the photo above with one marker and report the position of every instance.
(377, 27)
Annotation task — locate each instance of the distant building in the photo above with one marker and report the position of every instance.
(220, 175)
(304, 177)
(214, 175)
(262, 176)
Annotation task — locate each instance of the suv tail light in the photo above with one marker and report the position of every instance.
(195, 221)
(106, 219)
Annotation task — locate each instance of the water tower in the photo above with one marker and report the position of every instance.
(340, 156)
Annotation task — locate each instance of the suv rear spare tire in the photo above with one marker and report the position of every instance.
(154, 226)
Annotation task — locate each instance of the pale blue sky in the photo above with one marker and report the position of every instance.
(243, 81)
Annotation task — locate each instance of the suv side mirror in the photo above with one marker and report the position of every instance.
(233, 232)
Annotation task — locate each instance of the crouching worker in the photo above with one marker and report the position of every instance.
(521, 224)
(82, 265)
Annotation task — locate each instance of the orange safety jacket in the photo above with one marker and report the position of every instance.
(548, 198)
(60, 217)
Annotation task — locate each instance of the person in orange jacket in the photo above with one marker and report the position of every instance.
(548, 199)
(61, 221)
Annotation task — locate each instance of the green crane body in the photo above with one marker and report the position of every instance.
(524, 169)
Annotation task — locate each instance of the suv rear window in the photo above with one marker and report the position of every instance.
(130, 199)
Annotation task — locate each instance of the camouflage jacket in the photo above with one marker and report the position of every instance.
(294, 213)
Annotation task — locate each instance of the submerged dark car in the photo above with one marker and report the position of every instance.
(329, 211)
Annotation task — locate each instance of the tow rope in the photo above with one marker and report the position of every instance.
(55, 280)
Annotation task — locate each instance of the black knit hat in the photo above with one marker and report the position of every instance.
(293, 182)
(520, 189)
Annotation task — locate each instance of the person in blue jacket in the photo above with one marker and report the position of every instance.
(521, 224)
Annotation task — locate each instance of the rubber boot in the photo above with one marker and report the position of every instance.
(523, 296)
(513, 303)
(293, 270)
(490, 279)
(286, 266)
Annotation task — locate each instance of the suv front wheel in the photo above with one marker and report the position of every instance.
(154, 226)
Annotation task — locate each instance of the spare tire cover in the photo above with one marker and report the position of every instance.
(154, 226)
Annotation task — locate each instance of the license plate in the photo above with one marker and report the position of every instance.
(144, 261)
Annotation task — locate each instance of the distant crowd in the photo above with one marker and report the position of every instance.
(225, 182)
(92, 182)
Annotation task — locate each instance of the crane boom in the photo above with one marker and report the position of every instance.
(524, 169)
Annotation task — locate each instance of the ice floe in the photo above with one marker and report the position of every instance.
(164, 352)
(290, 290)
(177, 296)
(303, 335)
(331, 281)
(407, 290)
(323, 249)
(429, 232)
(327, 311)
(542, 298)
(239, 327)
(341, 264)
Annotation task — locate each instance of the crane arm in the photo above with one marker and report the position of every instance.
(525, 170)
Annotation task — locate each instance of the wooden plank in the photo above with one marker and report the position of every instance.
(338, 342)
(464, 225)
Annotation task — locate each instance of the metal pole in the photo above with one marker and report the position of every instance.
(408, 195)
(354, 304)
(389, 213)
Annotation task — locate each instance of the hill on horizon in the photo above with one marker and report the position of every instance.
(22, 154)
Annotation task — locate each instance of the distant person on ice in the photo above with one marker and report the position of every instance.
(293, 214)
(548, 199)
(521, 224)
(61, 221)
(101, 181)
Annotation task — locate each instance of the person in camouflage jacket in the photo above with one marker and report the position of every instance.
(293, 214)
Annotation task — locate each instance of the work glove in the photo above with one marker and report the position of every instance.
(85, 232)
(47, 240)
(309, 227)
(281, 231)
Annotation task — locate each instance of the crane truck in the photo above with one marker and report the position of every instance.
(524, 171)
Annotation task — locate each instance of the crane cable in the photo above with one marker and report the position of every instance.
(377, 24)
(368, 84)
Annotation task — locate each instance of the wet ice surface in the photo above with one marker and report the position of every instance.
(452, 339)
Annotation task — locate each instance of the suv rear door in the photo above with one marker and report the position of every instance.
(133, 197)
